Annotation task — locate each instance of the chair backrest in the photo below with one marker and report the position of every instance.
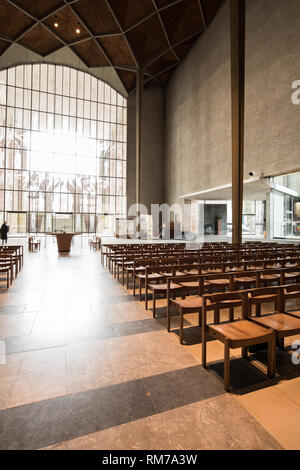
(262, 292)
(212, 267)
(261, 296)
(144, 262)
(219, 301)
(289, 292)
(189, 267)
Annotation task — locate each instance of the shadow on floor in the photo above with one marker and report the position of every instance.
(250, 375)
(245, 377)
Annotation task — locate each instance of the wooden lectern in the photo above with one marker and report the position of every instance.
(64, 241)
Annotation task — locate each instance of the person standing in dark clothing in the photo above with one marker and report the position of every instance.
(4, 231)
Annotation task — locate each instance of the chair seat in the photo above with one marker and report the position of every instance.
(151, 276)
(259, 298)
(139, 269)
(269, 277)
(164, 287)
(292, 294)
(279, 322)
(232, 302)
(219, 282)
(291, 275)
(191, 271)
(211, 271)
(190, 284)
(294, 313)
(190, 303)
(231, 270)
(240, 332)
(178, 273)
(244, 280)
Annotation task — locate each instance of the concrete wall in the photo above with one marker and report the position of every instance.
(152, 165)
(272, 139)
(198, 106)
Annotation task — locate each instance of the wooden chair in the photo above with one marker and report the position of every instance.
(246, 280)
(221, 281)
(95, 243)
(7, 271)
(141, 276)
(194, 304)
(290, 274)
(234, 334)
(290, 292)
(268, 276)
(7, 261)
(156, 274)
(33, 244)
(284, 325)
(185, 306)
(260, 296)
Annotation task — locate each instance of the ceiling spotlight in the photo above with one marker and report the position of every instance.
(55, 24)
(77, 31)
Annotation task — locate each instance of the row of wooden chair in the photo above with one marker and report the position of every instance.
(208, 283)
(256, 273)
(271, 328)
(120, 260)
(11, 262)
(176, 277)
(114, 253)
(130, 261)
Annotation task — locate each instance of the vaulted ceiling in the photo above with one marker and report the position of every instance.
(123, 34)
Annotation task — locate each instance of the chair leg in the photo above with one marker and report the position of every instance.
(140, 290)
(146, 298)
(272, 357)
(168, 317)
(200, 318)
(226, 367)
(133, 285)
(181, 327)
(203, 347)
(231, 314)
(154, 303)
(245, 353)
(281, 344)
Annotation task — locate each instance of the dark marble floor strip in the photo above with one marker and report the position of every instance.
(45, 423)
(98, 332)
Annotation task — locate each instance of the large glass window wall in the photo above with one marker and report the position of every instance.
(62, 150)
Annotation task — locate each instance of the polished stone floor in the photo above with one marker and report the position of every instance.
(88, 368)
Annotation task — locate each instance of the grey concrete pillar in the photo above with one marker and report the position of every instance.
(270, 215)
